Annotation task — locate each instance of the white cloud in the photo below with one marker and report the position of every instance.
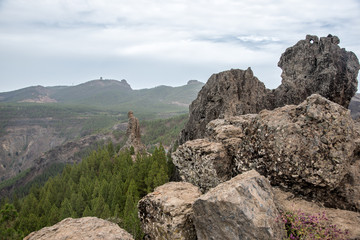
(178, 34)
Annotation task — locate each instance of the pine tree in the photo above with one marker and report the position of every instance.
(131, 222)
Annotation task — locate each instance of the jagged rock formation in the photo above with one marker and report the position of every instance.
(82, 228)
(242, 208)
(308, 149)
(133, 134)
(344, 220)
(167, 212)
(310, 66)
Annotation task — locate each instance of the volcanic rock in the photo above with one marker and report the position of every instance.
(242, 208)
(86, 228)
(311, 66)
(167, 212)
(203, 163)
(133, 134)
(309, 149)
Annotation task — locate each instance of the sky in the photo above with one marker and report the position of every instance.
(160, 42)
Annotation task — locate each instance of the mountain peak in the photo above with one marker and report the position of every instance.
(193, 82)
(108, 82)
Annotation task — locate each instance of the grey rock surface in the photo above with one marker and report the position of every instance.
(86, 228)
(310, 149)
(311, 66)
(167, 212)
(241, 208)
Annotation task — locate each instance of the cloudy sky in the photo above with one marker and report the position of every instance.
(159, 42)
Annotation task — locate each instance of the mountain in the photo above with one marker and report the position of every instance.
(110, 94)
(37, 120)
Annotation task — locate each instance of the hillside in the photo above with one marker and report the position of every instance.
(67, 113)
(110, 95)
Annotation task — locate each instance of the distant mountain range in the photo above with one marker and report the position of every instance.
(110, 94)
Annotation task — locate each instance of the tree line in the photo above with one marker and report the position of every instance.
(106, 184)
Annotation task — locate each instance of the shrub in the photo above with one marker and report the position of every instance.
(300, 226)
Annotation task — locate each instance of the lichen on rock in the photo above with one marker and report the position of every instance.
(167, 212)
(308, 149)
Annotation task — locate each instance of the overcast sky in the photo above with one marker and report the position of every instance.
(159, 42)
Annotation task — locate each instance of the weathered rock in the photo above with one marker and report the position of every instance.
(133, 134)
(308, 149)
(203, 163)
(344, 220)
(241, 208)
(82, 228)
(310, 66)
(167, 212)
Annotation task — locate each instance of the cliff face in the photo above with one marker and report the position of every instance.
(23, 144)
(311, 66)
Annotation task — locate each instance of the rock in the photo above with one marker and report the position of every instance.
(167, 212)
(82, 228)
(354, 106)
(242, 208)
(203, 163)
(344, 220)
(225, 94)
(310, 66)
(133, 133)
(309, 149)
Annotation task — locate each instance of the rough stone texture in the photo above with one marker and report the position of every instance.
(241, 208)
(133, 134)
(310, 66)
(209, 159)
(86, 228)
(309, 149)
(345, 220)
(167, 212)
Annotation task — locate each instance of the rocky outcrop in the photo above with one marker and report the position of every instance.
(167, 212)
(242, 208)
(308, 149)
(344, 220)
(133, 134)
(82, 228)
(311, 66)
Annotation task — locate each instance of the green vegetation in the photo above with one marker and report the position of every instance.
(165, 131)
(11, 181)
(113, 96)
(68, 120)
(50, 171)
(105, 184)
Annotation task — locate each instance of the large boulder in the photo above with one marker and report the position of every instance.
(241, 208)
(167, 212)
(203, 163)
(309, 149)
(86, 228)
(311, 66)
